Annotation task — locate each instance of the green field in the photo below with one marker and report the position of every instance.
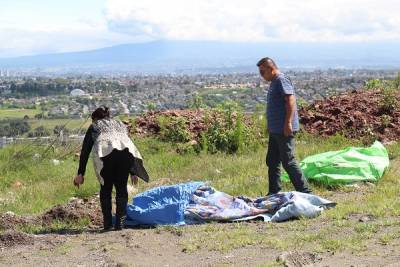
(18, 113)
(226, 91)
(46, 184)
(51, 123)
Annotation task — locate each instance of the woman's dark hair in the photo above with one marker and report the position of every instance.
(101, 113)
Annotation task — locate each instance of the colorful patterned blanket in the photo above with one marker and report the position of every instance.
(207, 204)
(195, 202)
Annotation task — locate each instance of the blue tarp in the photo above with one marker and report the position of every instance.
(161, 205)
(194, 202)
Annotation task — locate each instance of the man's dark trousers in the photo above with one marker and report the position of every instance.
(281, 150)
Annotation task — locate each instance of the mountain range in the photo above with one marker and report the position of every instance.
(169, 56)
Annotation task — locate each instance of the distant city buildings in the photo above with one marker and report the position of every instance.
(5, 73)
(77, 96)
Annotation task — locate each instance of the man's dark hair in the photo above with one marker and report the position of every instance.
(266, 61)
(101, 113)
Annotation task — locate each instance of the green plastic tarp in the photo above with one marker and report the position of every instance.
(346, 166)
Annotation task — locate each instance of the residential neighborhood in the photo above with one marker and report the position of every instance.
(75, 97)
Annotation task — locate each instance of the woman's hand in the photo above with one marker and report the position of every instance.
(79, 179)
(134, 179)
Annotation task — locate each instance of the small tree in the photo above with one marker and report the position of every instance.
(197, 101)
(388, 102)
(151, 106)
(58, 128)
(39, 116)
(373, 83)
(397, 81)
(39, 132)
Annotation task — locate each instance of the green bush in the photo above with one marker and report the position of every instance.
(39, 132)
(396, 82)
(260, 121)
(174, 129)
(373, 83)
(301, 103)
(388, 102)
(197, 101)
(13, 127)
(151, 106)
(228, 132)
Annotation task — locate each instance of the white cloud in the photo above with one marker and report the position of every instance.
(39, 39)
(30, 31)
(257, 20)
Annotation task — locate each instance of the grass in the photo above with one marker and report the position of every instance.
(388, 238)
(70, 124)
(29, 180)
(18, 113)
(30, 186)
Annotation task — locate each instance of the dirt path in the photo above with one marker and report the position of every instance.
(144, 247)
(155, 247)
(357, 240)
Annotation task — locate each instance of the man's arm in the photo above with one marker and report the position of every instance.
(290, 105)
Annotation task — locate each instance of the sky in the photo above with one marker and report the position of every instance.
(29, 27)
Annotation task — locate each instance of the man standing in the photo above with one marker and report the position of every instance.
(283, 123)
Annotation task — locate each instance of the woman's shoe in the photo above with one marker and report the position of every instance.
(119, 223)
(107, 216)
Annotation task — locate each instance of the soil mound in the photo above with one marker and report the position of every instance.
(357, 114)
(11, 238)
(10, 221)
(75, 210)
(149, 122)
